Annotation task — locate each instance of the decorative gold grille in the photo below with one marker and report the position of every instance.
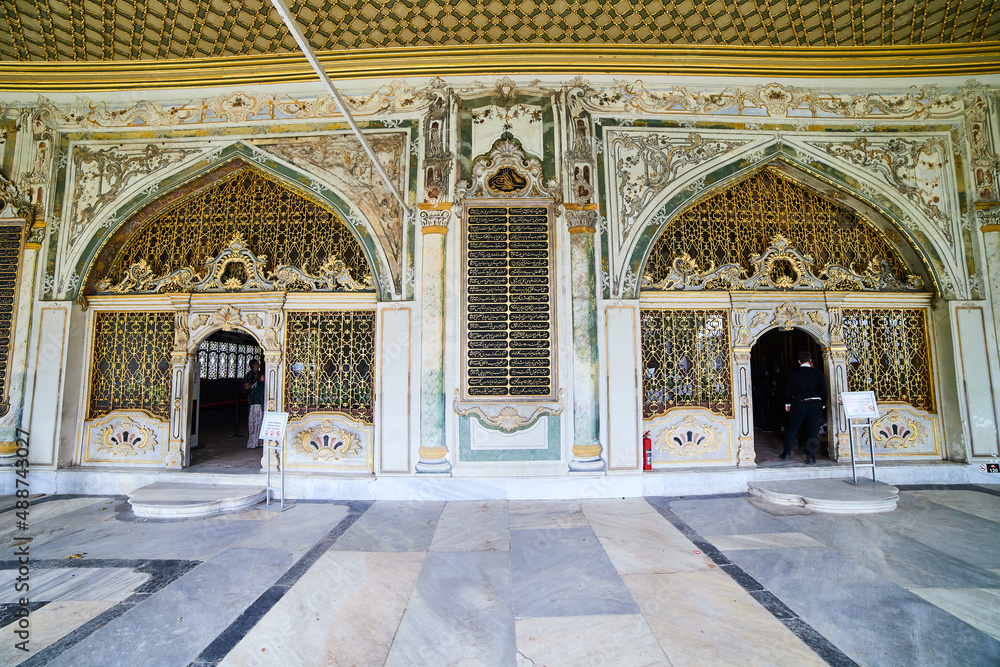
(220, 360)
(508, 306)
(685, 361)
(275, 223)
(889, 353)
(131, 363)
(739, 222)
(330, 363)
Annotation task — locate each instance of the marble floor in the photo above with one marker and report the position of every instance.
(724, 580)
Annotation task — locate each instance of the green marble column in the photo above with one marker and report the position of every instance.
(587, 447)
(433, 450)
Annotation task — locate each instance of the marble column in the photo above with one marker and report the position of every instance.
(433, 452)
(587, 447)
(178, 454)
(989, 220)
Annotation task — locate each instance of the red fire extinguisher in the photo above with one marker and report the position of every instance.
(647, 452)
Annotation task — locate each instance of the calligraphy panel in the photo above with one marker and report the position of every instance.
(508, 303)
(11, 240)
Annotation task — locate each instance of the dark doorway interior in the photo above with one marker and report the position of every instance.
(771, 358)
(221, 427)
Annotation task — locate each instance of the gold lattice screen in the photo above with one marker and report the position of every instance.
(330, 363)
(889, 353)
(276, 223)
(131, 363)
(685, 361)
(739, 222)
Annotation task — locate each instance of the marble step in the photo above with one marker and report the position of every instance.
(834, 496)
(178, 500)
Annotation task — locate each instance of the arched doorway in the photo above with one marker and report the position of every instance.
(235, 255)
(768, 253)
(218, 436)
(772, 356)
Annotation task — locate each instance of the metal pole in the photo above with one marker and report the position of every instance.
(871, 447)
(854, 468)
(293, 28)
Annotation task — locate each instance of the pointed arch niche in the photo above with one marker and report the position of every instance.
(236, 249)
(767, 252)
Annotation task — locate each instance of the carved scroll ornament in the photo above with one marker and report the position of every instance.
(781, 267)
(219, 276)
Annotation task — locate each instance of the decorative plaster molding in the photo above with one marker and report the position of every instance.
(333, 275)
(509, 417)
(506, 173)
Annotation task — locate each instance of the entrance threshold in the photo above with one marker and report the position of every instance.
(315, 486)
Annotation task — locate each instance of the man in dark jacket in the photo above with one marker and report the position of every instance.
(805, 398)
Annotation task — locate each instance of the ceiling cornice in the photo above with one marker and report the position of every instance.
(800, 62)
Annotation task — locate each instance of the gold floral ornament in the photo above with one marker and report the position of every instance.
(126, 438)
(328, 441)
(689, 437)
(237, 269)
(779, 267)
(895, 431)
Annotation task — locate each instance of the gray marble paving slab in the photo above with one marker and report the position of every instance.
(393, 526)
(296, 529)
(588, 640)
(81, 520)
(769, 541)
(891, 552)
(545, 514)
(48, 625)
(964, 536)
(172, 626)
(979, 607)
(48, 510)
(73, 583)
(873, 621)
(460, 613)
(983, 505)
(564, 573)
(727, 516)
(472, 526)
(195, 539)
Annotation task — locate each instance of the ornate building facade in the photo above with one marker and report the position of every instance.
(583, 258)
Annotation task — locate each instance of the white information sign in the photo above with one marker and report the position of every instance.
(273, 426)
(859, 404)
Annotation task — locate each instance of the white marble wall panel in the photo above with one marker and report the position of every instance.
(393, 388)
(43, 393)
(621, 352)
(535, 436)
(975, 366)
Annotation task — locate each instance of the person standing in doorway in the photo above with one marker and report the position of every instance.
(255, 398)
(805, 398)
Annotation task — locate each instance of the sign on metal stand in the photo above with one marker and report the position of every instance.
(861, 410)
(272, 432)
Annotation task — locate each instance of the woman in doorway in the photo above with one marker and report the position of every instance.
(255, 397)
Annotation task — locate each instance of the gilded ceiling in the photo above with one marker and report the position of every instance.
(71, 32)
(156, 29)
